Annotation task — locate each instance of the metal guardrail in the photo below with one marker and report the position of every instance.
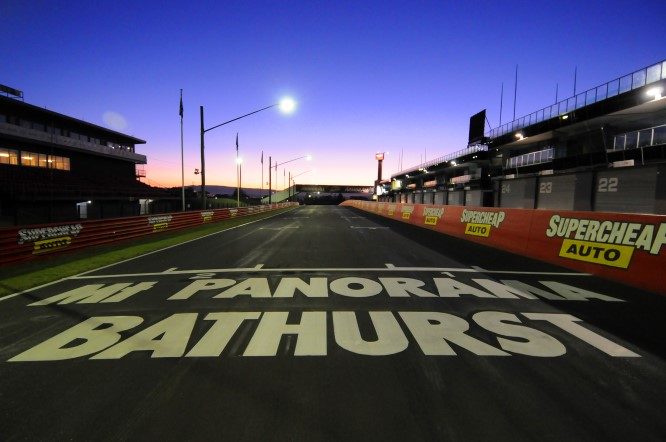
(639, 78)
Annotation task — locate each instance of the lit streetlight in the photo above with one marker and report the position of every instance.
(286, 105)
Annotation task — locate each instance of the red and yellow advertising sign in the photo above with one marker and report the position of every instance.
(479, 222)
(623, 247)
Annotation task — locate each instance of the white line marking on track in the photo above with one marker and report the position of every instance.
(332, 270)
(170, 270)
(279, 228)
(389, 265)
(13, 295)
(36, 288)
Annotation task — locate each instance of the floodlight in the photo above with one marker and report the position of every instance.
(655, 92)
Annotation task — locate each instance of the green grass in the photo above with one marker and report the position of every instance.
(23, 276)
(221, 203)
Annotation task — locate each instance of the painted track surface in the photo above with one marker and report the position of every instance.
(423, 358)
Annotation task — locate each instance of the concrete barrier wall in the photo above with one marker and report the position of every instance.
(29, 242)
(628, 248)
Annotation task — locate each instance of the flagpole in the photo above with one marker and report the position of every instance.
(261, 192)
(237, 175)
(182, 161)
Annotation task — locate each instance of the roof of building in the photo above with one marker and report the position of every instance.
(27, 109)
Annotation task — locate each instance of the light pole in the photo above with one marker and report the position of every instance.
(379, 156)
(307, 157)
(286, 105)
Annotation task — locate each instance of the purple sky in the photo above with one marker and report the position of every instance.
(368, 76)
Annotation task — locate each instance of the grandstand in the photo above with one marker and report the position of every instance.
(603, 149)
(57, 168)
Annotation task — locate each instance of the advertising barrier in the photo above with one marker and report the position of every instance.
(628, 248)
(28, 242)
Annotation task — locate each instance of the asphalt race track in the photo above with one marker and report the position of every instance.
(326, 323)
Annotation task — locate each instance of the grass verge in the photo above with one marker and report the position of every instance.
(23, 276)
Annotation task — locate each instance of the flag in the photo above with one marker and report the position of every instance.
(180, 112)
(262, 157)
(236, 143)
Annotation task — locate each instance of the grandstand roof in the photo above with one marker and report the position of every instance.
(23, 108)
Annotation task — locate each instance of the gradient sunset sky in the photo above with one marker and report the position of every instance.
(367, 76)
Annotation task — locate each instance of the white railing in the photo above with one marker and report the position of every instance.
(651, 136)
(640, 78)
(445, 158)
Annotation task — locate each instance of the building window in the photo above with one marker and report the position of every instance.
(659, 135)
(632, 139)
(29, 159)
(8, 156)
(645, 138)
(59, 163)
(618, 144)
(42, 161)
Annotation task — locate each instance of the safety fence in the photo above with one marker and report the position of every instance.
(623, 247)
(28, 242)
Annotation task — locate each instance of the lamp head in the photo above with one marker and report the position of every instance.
(287, 105)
